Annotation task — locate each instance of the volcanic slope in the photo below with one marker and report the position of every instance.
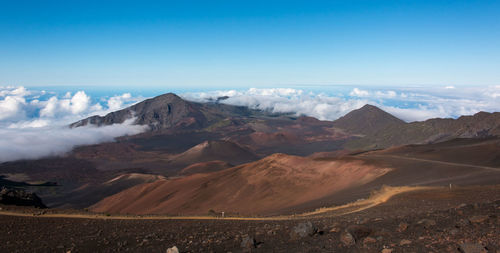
(220, 150)
(281, 184)
(456, 162)
(263, 187)
(205, 167)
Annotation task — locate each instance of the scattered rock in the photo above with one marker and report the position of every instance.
(404, 242)
(454, 231)
(369, 239)
(478, 218)
(248, 242)
(462, 223)
(402, 226)
(359, 232)
(472, 248)
(427, 223)
(347, 239)
(173, 250)
(303, 229)
(335, 230)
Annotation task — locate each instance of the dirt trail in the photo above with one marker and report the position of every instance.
(379, 197)
(435, 161)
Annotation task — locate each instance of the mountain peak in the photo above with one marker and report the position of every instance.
(370, 107)
(161, 112)
(367, 119)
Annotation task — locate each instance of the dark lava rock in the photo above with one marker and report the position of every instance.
(462, 223)
(427, 223)
(19, 197)
(358, 231)
(402, 226)
(303, 229)
(347, 239)
(478, 218)
(248, 242)
(472, 248)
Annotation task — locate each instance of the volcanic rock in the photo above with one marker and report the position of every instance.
(173, 250)
(303, 229)
(472, 248)
(248, 242)
(19, 197)
(358, 231)
(347, 239)
(478, 218)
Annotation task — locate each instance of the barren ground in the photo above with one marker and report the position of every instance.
(429, 220)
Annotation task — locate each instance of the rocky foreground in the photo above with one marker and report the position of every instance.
(457, 220)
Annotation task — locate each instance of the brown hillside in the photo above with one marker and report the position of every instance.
(260, 187)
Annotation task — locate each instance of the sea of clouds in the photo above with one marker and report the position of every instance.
(408, 104)
(34, 123)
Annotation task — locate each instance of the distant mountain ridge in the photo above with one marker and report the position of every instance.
(369, 126)
(380, 129)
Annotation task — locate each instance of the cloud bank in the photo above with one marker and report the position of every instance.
(33, 124)
(409, 104)
(37, 142)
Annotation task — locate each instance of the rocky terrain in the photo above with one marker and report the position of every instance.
(19, 197)
(463, 219)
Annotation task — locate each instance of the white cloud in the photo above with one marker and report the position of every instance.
(19, 104)
(412, 104)
(36, 123)
(359, 93)
(24, 142)
(11, 107)
(32, 126)
(117, 102)
(295, 101)
(13, 91)
(386, 94)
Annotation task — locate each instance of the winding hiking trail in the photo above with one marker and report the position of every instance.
(379, 197)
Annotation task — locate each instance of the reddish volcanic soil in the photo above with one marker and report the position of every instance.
(205, 167)
(262, 187)
(226, 151)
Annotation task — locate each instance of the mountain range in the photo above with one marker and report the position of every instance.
(197, 157)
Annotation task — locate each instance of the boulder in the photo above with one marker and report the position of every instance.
(404, 242)
(427, 223)
(347, 239)
(358, 231)
(303, 229)
(472, 248)
(402, 226)
(478, 219)
(248, 242)
(173, 250)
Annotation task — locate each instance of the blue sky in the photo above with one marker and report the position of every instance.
(242, 44)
